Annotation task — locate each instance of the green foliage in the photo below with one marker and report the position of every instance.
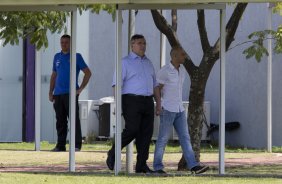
(16, 25)
(258, 38)
(278, 38)
(258, 49)
(96, 8)
(34, 25)
(278, 8)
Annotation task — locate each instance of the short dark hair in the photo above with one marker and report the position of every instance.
(66, 36)
(136, 37)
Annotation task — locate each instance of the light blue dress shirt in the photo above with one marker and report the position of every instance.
(138, 75)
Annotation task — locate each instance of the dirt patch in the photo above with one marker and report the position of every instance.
(271, 159)
(234, 160)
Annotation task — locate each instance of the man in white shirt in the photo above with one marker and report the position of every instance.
(170, 108)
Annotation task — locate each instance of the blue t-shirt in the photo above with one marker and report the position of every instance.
(61, 65)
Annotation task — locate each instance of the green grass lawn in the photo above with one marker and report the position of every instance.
(172, 147)
(110, 179)
(22, 155)
(98, 146)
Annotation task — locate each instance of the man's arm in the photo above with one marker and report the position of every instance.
(87, 75)
(157, 96)
(52, 86)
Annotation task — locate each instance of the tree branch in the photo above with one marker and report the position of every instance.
(163, 26)
(250, 41)
(174, 19)
(202, 30)
(231, 28)
(233, 23)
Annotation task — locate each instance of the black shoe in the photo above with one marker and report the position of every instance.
(199, 169)
(58, 149)
(110, 161)
(145, 169)
(160, 171)
(77, 149)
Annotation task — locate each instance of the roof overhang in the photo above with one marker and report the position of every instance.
(68, 8)
(172, 6)
(163, 2)
(213, 6)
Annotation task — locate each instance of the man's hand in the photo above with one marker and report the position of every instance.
(52, 86)
(87, 75)
(78, 91)
(157, 95)
(51, 97)
(158, 109)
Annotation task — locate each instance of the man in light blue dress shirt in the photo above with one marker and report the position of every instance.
(138, 83)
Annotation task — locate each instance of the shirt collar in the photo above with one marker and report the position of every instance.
(64, 53)
(134, 56)
(172, 67)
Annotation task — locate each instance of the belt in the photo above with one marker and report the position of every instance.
(137, 96)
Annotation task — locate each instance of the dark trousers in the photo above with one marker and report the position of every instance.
(138, 113)
(61, 106)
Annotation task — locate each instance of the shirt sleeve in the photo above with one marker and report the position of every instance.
(80, 62)
(154, 78)
(161, 76)
(123, 74)
(54, 64)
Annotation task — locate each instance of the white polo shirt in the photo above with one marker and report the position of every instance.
(172, 79)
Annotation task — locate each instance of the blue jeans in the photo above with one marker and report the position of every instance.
(178, 120)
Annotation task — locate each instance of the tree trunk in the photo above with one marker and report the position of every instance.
(195, 115)
(198, 74)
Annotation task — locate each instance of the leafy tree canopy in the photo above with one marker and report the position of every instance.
(20, 25)
(259, 38)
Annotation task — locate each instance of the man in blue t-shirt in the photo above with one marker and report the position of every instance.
(59, 92)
